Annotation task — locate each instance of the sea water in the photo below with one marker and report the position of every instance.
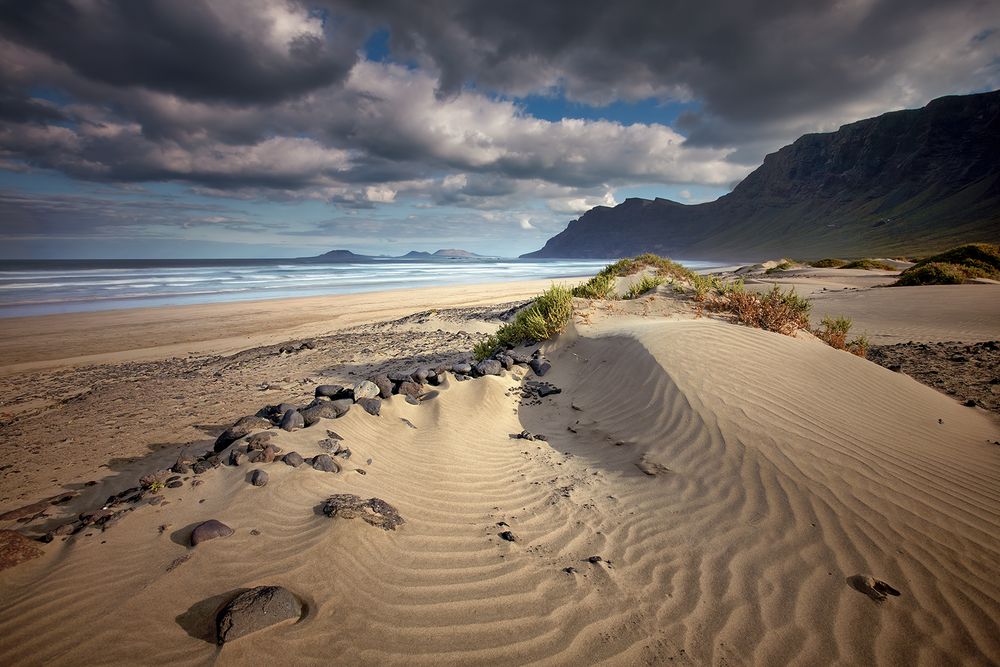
(38, 287)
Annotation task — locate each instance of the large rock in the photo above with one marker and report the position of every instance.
(372, 406)
(365, 389)
(15, 549)
(324, 463)
(409, 389)
(489, 367)
(330, 391)
(258, 440)
(322, 410)
(374, 511)
(540, 366)
(242, 427)
(400, 376)
(209, 530)
(461, 368)
(259, 477)
(254, 610)
(293, 459)
(292, 420)
(384, 385)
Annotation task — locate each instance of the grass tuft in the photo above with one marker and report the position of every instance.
(782, 312)
(869, 265)
(644, 285)
(547, 316)
(602, 286)
(828, 263)
(955, 266)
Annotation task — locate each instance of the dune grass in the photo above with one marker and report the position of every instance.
(869, 265)
(784, 265)
(602, 285)
(955, 266)
(828, 263)
(782, 312)
(834, 331)
(547, 316)
(644, 285)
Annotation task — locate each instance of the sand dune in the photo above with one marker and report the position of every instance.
(731, 480)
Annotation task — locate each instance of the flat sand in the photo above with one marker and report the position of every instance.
(734, 483)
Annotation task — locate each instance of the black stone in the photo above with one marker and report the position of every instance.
(254, 610)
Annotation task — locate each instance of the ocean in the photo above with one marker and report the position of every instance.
(38, 287)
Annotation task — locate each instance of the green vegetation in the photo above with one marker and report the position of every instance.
(955, 266)
(828, 263)
(644, 285)
(834, 333)
(544, 318)
(783, 266)
(602, 286)
(869, 265)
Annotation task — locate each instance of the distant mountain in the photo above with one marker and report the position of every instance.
(340, 256)
(446, 253)
(913, 181)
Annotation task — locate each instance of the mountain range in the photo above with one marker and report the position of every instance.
(905, 182)
(334, 256)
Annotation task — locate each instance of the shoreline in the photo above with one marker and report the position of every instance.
(37, 342)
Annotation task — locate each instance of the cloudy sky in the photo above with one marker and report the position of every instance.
(271, 128)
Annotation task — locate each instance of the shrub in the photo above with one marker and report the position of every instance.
(834, 331)
(869, 265)
(955, 266)
(783, 312)
(828, 263)
(544, 318)
(783, 266)
(644, 285)
(859, 346)
(602, 285)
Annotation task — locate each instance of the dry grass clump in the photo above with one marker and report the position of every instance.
(834, 333)
(544, 318)
(869, 265)
(784, 265)
(828, 263)
(955, 266)
(782, 312)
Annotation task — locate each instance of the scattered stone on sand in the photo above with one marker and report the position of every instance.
(209, 530)
(330, 391)
(329, 445)
(265, 455)
(489, 367)
(461, 369)
(569, 570)
(508, 535)
(374, 511)
(254, 610)
(259, 440)
(322, 409)
(594, 559)
(293, 459)
(292, 420)
(365, 389)
(407, 422)
(176, 484)
(236, 456)
(384, 385)
(324, 463)
(540, 389)
(400, 376)
(15, 549)
(242, 427)
(413, 400)
(177, 562)
(372, 406)
(259, 477)
(409, 388)
(540, 366)
(874, 588)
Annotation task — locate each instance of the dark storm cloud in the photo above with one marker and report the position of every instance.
(267, 96)
(193, 48)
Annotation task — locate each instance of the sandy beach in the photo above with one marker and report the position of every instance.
(703, 492)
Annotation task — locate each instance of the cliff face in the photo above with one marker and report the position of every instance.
(904, 182)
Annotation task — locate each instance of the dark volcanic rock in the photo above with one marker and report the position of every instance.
(260, 440)
(400, 376)
(293, 459)
(329, 390)
(409, 389)
(462, 369)
(374, 511)
(540, 366)
(236, 456)
(258, 477)
(384, 385)
(292, 420)
(508, 536)
(254, 610)
(209, 530)
(241, 428)
(322, 410)
(324, 463)
(489, 367)
(372, 406)
(15, 549)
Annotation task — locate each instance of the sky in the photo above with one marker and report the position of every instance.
(284, 128)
